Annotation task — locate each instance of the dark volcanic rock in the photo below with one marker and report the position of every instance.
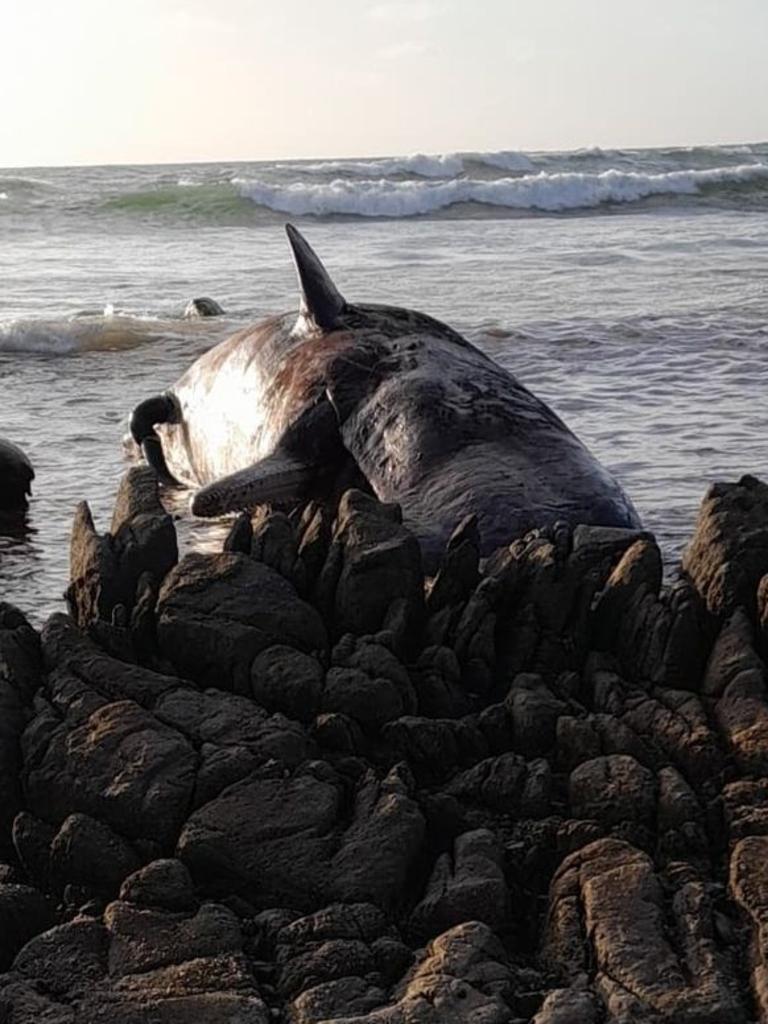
(468, 886)
(372, 567)
(105, 570)
(728, 554)
(24, 912)
(556, 751)
(608, 909)
(285, 841)
(217, 612)
(20, 673)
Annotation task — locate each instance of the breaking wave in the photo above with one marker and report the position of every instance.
(553, 192)
(420, 165)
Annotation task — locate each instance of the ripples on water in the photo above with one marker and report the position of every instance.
(647, 333)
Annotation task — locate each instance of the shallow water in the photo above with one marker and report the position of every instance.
(644, 325)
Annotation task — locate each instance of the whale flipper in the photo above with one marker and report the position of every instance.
(309, 453)
(277, 479)
(320, 299)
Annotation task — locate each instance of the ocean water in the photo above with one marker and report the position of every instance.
(625, 287)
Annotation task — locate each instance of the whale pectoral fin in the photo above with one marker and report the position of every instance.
(279, 478)
(158, 409)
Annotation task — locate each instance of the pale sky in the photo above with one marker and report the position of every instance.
(145, 81)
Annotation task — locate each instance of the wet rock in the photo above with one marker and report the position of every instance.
(217, 612)
(437, 682)
(745, 807)
(469, 886)
(608, 909)
(105, 569)
(729, 551)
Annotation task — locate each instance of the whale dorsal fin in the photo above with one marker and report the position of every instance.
(320, 300)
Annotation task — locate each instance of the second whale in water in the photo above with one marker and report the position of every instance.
(280, 410)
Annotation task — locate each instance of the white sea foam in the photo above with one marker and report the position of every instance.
(89, 332)
(3, 195)
(547, 192)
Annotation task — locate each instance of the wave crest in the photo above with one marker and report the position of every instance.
(552, 193)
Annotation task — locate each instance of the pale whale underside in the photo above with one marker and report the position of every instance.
(276, 412)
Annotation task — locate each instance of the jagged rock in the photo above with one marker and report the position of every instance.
(506, 784)
(612, 789)
(217, 612)
(283, 842)
(659, 638)
(435, 748)
(142, 939)
(742, 715)
(105, 570)
(534, 712)
(87, 853)
(68, 959)
(339, 733)
(469, 886)
(24, 912)
(569, 1006)
(119, 764)
(275, 543)
(733, 656)
(163, 884)
(367, 682)
(745, 807)
(32, 840)
(437, 682)
(233, 737)
(729, 551)
(456, 579)
(459, 980)
(749, 888)
(607, 909)
(240, 535)
(373, 564)
(283, 679)
(20, 670)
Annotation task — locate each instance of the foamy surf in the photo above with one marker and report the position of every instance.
(107, 331)
(548, 192)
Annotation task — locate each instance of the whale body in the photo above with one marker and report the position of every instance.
(278, 411)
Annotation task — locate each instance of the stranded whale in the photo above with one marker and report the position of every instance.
(276, 412)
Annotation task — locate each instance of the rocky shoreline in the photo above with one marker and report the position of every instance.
(289, 782)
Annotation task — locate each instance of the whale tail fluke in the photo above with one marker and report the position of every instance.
(321, 301)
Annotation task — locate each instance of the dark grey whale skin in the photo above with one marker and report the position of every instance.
(431, 422)
(16, 476)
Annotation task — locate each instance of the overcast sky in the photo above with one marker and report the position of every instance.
(143, 81)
